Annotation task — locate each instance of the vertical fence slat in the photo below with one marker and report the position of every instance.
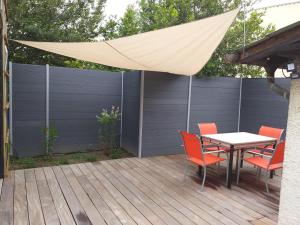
(141, 113)
(122, 101)
(240, 103)
(10, 109)
(189, 104)
(47, 105)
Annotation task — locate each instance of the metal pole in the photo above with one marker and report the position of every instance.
(141, 113)
(189, 104)
(10, 108)
(240, 103)
(47, 105)
(122, 99)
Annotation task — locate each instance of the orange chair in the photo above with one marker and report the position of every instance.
(269, 132)
(193, 150)
(210, 128)
(274, 162)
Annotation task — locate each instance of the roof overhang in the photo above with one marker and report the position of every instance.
(277, 49)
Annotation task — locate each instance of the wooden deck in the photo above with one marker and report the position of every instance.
(133, 191)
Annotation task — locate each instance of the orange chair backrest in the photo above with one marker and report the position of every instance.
(271, 132)
(208, 128)
(192, 145)
(278, 155)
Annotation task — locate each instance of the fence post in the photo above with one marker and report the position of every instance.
(141, 113)
(122, 100)
(47, 106)
(10, 109)
(189, 104)
(240, 103)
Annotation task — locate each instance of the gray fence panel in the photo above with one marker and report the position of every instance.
(131, 106)
(76, 97)
(165, 111)
(215, 100)
(29, 82)
(261, 106)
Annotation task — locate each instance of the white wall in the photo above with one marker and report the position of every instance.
(289, 213)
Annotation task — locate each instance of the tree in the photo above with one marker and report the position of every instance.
(52, 20)
(156, 14)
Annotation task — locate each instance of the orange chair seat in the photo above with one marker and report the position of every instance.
(208, 159)
(263, 163)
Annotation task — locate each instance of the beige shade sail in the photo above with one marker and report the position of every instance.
(182, 49)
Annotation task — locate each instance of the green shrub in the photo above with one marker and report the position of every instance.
(91, 158)
(116, 153)
(109, 128)
(62, 161)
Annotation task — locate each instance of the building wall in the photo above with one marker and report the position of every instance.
(261, 106)
(131, 106)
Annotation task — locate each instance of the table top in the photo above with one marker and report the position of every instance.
(239, 139)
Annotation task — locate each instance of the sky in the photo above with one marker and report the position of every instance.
(118, 7)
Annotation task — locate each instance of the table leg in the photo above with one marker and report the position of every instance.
(237, 161)
(230, 167)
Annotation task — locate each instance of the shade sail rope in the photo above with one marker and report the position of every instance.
(121, 54)
(181, 49)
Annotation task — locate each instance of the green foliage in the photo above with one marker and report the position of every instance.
(25, 163)
(50, 139)
(109, 120)
(62, 161)
(116, 153)
(156, 14)
(91, 158)
(51, 20)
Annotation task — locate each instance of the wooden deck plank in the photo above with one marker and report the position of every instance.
(107, 197)
(134, 191)
(208, 189)
(243, 199)
(63, 211)
(163, 215)
(130, 209)
(83, 198)
(109, 217)
(6, 201)
(48, 207)
(216, 205)
(166, 202)
(160, 198)
(33, 199)
(138, 203)
(77, 211)
(192, 196)
(228, 203)
(20, 200)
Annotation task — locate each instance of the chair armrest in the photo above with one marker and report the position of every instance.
(265, 149)
(210, 146)
(209, 152)
(263, 155)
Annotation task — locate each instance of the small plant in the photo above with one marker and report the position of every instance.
(116, 153)
(62, 161)
(50, 139)
(109, 127)
(91, 158)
